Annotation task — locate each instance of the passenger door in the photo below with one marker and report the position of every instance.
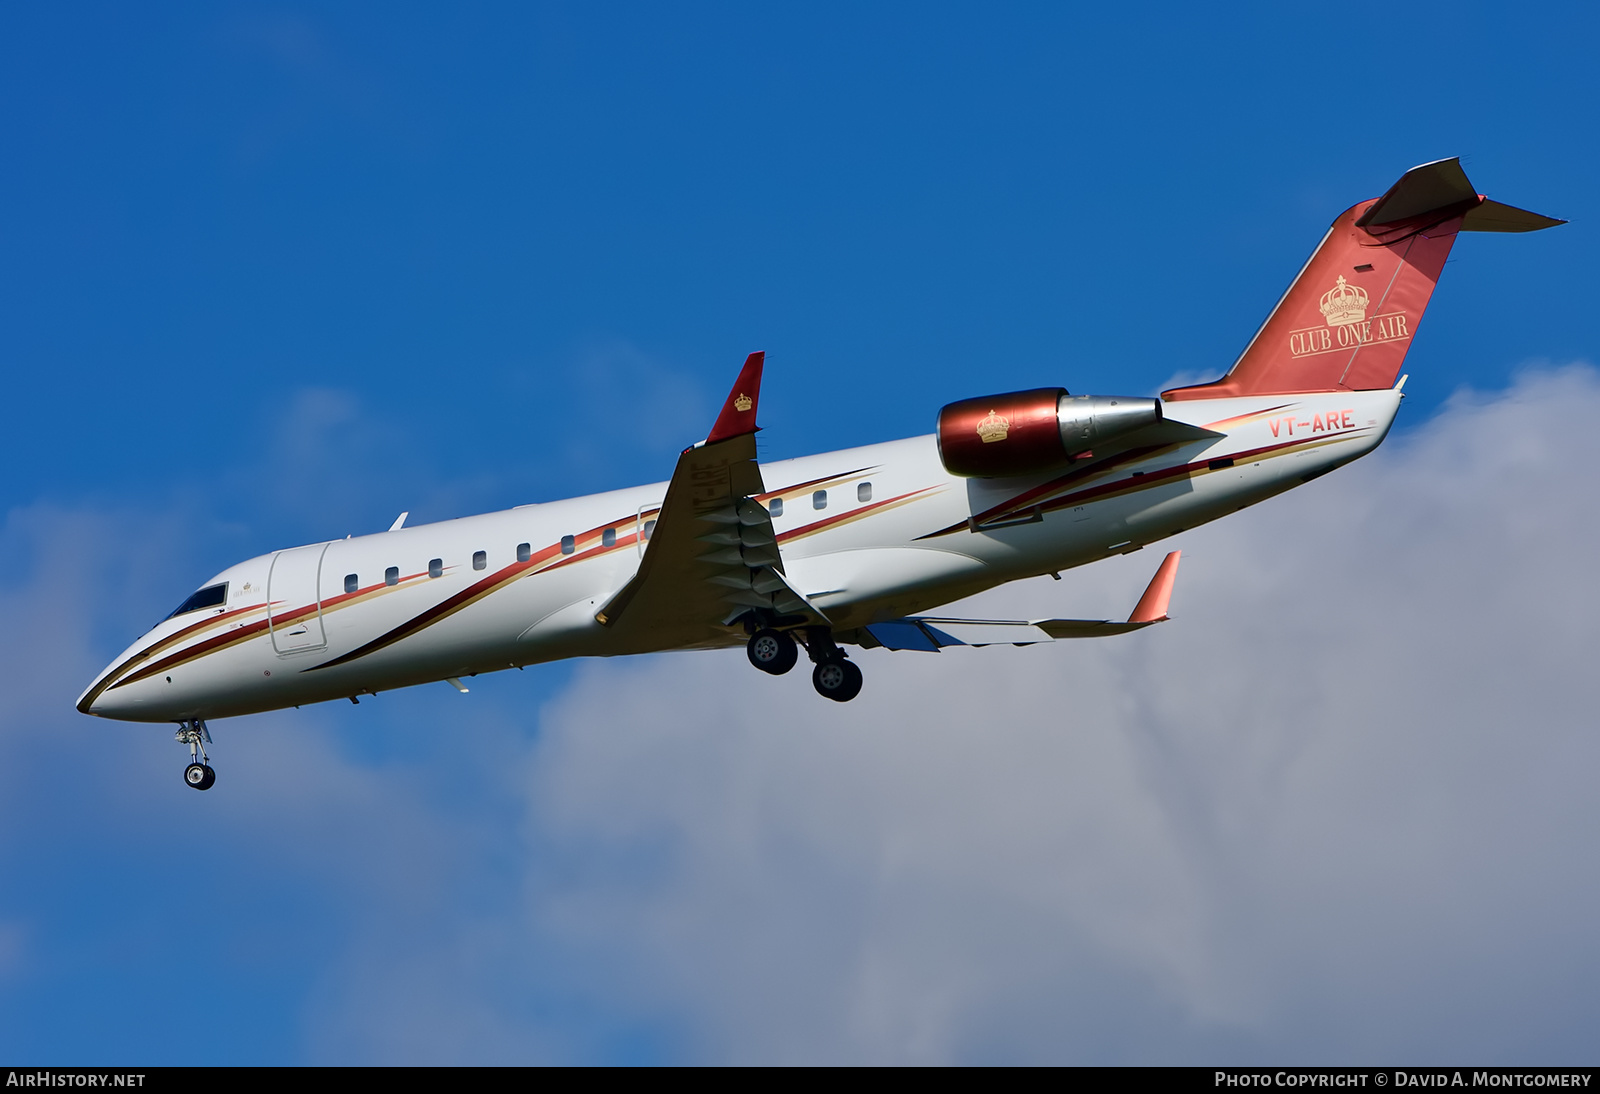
(294, 608)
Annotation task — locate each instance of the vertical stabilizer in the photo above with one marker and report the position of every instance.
(1348, 319)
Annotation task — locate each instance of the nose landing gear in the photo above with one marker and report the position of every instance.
(194, 734)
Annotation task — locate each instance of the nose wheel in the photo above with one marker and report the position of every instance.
(198, 774)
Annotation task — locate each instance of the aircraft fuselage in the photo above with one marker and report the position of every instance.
(865, 534)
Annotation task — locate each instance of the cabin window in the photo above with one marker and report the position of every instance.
(524, 552)
(351, 583)
(391, 576)
(436, 567)
(649, 528)
(608, 538)
(864, 491)
(568, 545)
(775, 507)
(819, 500)
(212, 596)
(480, 559)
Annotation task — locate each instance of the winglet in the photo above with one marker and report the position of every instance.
(739, 412)
(1152, 607)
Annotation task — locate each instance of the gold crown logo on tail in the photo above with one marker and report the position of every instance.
(1344, 304)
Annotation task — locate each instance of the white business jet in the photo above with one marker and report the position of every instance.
(824, 552)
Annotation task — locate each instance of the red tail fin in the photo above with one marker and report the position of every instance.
(1348, 319)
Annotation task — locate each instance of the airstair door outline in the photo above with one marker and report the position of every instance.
(294, 586)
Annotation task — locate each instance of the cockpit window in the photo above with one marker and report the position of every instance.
(212, 596)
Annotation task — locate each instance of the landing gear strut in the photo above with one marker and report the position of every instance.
(834, 677)
(772, 651)
(194, 734)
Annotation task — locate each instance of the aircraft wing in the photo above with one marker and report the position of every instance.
(930, 634)
(712, 556)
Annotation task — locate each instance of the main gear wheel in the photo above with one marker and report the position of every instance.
(772, 651)
(837, 679)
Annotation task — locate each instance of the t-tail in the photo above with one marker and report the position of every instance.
(1347, 320)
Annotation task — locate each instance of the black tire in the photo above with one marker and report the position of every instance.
(210, 779)
(199, 776)
(837, 679)
(772, 651)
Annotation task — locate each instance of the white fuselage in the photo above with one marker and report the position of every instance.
(893, 534)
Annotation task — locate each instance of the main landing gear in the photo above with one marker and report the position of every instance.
(835, 677)
(772, 651)
(198, 774)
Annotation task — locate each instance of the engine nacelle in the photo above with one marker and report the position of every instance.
(1026, 431)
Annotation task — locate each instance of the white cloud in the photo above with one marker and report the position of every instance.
(1339, 809)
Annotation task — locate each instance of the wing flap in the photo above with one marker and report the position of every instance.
(983, 632)
(930, 634)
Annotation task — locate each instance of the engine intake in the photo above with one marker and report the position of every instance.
(1022, 432)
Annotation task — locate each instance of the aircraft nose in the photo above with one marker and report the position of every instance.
(93, 700)
(103, 701)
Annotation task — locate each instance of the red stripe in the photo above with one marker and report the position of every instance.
(106, 682)
(249, 630)
(479, 589)
(1242, 417)
(817, 482)
(1025, 499)
(828, 522)
(1138, 482)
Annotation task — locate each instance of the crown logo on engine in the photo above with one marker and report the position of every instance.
(993, 428)
(1344, 304)
(743, 403)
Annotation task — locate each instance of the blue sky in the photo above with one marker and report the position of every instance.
(273, 274)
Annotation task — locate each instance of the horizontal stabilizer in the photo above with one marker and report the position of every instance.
(930, 634)
(1494, 216)
(1442, 187)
